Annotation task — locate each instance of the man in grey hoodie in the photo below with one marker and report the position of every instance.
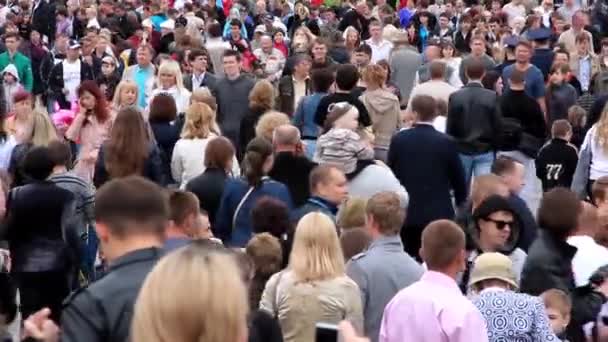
(232, 94)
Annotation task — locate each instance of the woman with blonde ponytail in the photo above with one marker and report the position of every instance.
(596, 141)
(188, 160)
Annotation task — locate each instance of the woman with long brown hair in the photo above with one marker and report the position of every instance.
(90, 127)
(128, 151)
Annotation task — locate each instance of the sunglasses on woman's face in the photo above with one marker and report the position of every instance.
(500, 225)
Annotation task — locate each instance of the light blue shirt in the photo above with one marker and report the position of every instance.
(141, 79)
(584, 72)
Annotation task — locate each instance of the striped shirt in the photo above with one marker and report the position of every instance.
(84, 193)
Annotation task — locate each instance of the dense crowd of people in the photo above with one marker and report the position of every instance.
(239, 170)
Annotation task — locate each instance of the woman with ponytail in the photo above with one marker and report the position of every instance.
(188, 160)
(233, 219)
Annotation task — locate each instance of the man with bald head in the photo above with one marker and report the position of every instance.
(291, 167)
(590, 255)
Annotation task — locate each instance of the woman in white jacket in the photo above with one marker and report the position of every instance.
(188, 160)
(170, 81)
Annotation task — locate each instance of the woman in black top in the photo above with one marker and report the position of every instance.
(44, 246)
(209, 185)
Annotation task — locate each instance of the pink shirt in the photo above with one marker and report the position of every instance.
(432, 310)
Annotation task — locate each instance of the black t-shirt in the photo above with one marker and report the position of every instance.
(264, 328)
(321, 113)
(556, 163)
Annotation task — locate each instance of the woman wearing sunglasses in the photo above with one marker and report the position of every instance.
(496, 229)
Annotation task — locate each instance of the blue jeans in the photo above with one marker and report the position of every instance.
(309, 147)
(476, 165)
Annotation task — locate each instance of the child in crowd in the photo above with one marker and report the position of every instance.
(556, 161)
(558, 307)
(561, 96)
(10, 84)
(577, 116)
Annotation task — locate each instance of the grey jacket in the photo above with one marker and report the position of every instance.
(404, 62)
(381, 272)
(487, 61)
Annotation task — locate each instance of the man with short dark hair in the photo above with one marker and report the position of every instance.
(200, 77)
(131, 217)
(381, 48)
(185, 219)
(474, 122)
(437, 87)
(292, 88)
(84, 194)
(534, 80)
(19, 60)
(290, 166)
(556, 161)
(433, 308)
(320, 58)
(525, 116)
(426, 163)
(478, 52)
(232, 94)
(384, 268)
(347, 77)
(328, 189)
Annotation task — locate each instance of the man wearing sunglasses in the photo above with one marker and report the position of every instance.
(496, 229)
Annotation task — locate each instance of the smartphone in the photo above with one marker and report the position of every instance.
(326, 332)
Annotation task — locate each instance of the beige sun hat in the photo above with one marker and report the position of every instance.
(493, 266)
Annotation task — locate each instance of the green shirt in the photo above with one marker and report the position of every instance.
(23, 65)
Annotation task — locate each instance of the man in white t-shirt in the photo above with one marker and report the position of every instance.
(67, 75)
(381, 48)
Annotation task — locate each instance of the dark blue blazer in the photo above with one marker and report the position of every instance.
(426, 162)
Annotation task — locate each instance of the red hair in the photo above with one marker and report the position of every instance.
(21, 95)
(101, 105)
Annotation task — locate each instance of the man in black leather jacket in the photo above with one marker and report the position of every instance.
(474, 122)
(131, 216)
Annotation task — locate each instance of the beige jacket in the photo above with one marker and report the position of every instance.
(301, 305)
(384, 110)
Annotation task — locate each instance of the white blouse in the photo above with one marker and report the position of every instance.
(188, 160)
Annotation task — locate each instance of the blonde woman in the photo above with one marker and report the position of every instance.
(203, 95)
(314, 287)
(125, 95)
(170, 81)
(596, 143)
(193, 294)
(261, 100)
(42, 133)
(188, 160)
(268, 122)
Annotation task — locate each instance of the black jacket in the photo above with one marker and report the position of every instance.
(247, 127)
(356, 20)
(556, 163)
(43, 18)
(517, 105)
(426, 163)
(321, 114)
(153, 169)
(474, 119)
(103, 311)
(166, 135)
(293, 171)
(549, 266)
(56, 84)
(287, 94)
(46, 241)
(208, 81)
(263, 327)
(209, 187)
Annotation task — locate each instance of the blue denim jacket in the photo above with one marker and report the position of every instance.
(304, 117)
